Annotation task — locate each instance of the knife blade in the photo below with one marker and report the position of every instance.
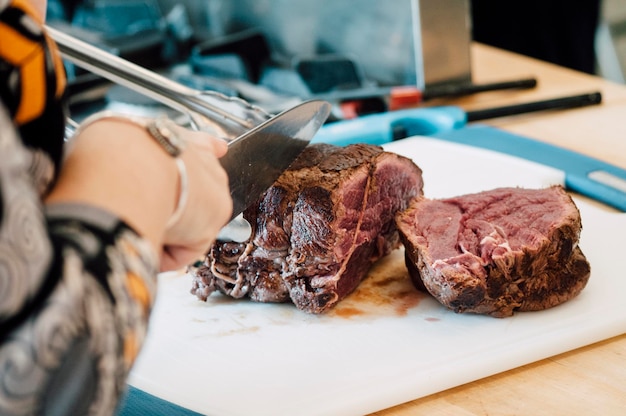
(258, 157)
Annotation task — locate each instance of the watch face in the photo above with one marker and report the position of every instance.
(162, 131)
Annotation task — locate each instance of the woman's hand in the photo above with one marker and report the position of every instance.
(118, 166)
(209, 205)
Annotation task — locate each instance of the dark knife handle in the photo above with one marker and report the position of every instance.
(456, 90)
(573, 101)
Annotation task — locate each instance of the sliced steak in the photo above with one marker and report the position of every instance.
(317, 230)
(497, 251)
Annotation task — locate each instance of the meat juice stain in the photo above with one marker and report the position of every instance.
(243, 330)
(386, 291)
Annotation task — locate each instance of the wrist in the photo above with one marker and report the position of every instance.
(119, 166)
(161, 130)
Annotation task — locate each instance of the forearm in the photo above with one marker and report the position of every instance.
(139, 184)
(76, 297)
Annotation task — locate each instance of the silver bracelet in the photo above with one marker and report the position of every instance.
(160, 129)
(183, 194)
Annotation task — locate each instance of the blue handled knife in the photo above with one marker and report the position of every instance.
(383, 128)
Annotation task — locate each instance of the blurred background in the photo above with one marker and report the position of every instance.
(272, 52)
(586, 35)
(611, 41)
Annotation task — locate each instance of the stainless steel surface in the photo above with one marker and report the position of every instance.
(445, 38)
(226, 117)
(257, 158)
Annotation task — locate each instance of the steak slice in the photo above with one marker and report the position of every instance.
(496, 252)
(317, 230)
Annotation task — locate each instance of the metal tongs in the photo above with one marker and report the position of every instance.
(224, 116)
(261, 145)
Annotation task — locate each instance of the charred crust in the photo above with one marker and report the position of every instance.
(320, 227)
(532, 261)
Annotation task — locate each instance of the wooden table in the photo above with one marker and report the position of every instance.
(590, 380)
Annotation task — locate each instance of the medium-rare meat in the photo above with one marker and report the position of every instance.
(497, 251)
(317, 230)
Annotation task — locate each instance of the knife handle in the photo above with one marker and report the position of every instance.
(382, 128)
(585, 175)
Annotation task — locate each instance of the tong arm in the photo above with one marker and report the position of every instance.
(233, 116)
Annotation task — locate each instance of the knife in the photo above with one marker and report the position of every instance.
(258, 157)
(260, 146)
(383, 128)
(585, 175)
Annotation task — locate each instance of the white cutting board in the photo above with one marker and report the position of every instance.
(387, 343)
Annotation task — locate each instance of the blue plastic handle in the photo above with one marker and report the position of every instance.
(383, 128)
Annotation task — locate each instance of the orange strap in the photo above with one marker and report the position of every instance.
(30, 58)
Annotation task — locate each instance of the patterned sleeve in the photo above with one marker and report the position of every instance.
(32, 88)
(76, 284)
(76, 289)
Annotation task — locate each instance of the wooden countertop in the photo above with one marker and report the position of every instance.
(589, 380)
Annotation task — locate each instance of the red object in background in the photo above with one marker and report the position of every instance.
(404, 97)
(355, 103)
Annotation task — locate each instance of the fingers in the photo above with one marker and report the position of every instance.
(209, 203)
(220, 146)
(203, 140)
(174, 258)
